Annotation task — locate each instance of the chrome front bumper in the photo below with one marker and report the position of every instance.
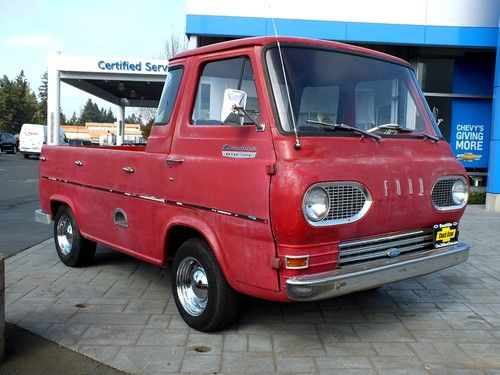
(370, 275)
(42, 217)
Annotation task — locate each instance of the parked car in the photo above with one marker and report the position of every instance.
(8, 143)
(79, 142)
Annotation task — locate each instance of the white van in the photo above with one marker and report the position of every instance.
(32, 137)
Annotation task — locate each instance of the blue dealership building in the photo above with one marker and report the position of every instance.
(452, 45)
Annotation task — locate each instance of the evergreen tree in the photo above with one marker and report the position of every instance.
(146, 129)
(73, 120)
(62, 119)
(92, 113)
(110, 117)
(133, 119)
(18, 104)
(42, 95)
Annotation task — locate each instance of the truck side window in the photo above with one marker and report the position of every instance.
(168, 96)
(217, 76)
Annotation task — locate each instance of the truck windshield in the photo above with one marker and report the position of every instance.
(330, 89)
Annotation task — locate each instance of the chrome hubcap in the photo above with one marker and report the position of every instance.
(65, 235)
(192, 286)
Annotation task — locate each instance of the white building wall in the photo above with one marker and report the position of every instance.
(465, 13)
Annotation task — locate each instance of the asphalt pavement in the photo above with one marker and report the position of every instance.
(18, 202)
(25, 352)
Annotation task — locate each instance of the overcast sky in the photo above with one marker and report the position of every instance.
(29, 29)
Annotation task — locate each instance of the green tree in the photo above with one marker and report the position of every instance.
(73, 120)
(109, 116)
(133, 119)
(92, 113)
(42, 96)
(146, 129)
(62, 119)
(18, 104)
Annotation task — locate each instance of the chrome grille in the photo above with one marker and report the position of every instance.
(351, 252)
(349, 201)
(442, 193)
(346, 201)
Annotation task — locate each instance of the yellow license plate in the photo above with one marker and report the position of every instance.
(445, 234)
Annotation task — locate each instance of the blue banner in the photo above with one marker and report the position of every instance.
(470, 131)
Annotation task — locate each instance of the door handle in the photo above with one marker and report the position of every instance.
(78, 163)
(128, 169)
(171, 162)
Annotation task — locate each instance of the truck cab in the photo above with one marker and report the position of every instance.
(288, 169)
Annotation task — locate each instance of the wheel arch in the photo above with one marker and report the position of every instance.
(194, 226)
(57, 201)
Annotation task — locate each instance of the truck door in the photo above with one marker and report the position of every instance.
(226, 169)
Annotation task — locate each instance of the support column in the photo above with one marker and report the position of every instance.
(493, 187)
(120, 125)
(53, 99)
(192, 42)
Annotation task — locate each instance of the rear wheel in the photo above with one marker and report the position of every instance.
(203, 297)
(71, 247)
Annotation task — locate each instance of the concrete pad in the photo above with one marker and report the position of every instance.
(120, 311)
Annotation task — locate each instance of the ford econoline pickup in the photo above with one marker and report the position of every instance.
(287, 169)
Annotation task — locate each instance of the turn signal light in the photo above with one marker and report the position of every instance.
(296, 262)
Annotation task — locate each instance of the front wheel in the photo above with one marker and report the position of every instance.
(203, 297)
(72, 248)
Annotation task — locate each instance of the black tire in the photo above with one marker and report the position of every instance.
(209, 304)
(71, 247)
(26, 156)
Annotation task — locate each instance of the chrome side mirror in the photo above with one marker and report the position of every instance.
(233, 100)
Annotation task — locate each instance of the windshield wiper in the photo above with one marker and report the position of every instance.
(403, 129)
(345, 127)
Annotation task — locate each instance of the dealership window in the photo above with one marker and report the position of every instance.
(217, 76)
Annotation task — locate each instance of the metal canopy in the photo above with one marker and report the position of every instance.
(123, 81)
(125, 90)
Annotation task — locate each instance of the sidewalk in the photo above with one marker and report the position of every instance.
(120, 312)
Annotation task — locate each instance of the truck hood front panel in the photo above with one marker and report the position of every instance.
(399, 175)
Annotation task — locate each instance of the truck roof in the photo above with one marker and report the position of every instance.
(272, 40)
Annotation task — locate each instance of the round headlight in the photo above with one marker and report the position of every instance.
(316, 204)
(459, 192)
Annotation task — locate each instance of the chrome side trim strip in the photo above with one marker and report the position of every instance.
(162, 200)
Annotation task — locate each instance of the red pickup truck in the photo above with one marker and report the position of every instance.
(287, 169)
